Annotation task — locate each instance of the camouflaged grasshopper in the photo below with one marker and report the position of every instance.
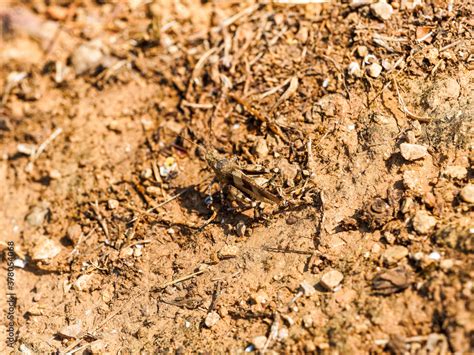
(229, 173)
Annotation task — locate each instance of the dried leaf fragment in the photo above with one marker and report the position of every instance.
(391, 281)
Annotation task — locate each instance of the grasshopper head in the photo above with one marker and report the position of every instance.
(213, 158)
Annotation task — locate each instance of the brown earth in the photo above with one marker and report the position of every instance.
(107, 204)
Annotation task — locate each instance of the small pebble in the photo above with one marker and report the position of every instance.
(423, 222)
(240, 229)
(45, 249)
(153, 191)
(19, 263)
(37, 215)
(260, 298)
(435, 256)
(112, 204)
(410, 4)
(228, 252)
(55, 174)
(370, 59)
(362, 51)
(455, 172)
(26, 149)
(212, 319)
(374, 70)
(354, 69)
(282, 334)
(412, 181)
(146, 173)
(147, 124)
(331, 279)
(261, 148)
(57, 12)
(71, 331)
(376, 248)
(83, 282)
(310, 347)
(73, 232)
(381, 10)
(413, 151)
(138, 250)
(25, 350)
(467, 193)
(386, 64)
(394, 254)
(308, 289)
(307, 321)
(259, 342)
(87, 57)
(446, 264)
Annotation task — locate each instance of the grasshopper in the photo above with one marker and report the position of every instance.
(229, 173)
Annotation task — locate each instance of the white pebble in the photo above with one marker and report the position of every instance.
(112, 204)
(331, 279)
(413, 151)
(308, 289)
(374, 70)
(19, 263)
(435, 256)
(26, 149)
(45, 249)
(381, 10)
(212, 319)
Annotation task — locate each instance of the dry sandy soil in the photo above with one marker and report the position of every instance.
(361, 114)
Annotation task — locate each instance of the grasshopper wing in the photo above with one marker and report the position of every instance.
(252, 189)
